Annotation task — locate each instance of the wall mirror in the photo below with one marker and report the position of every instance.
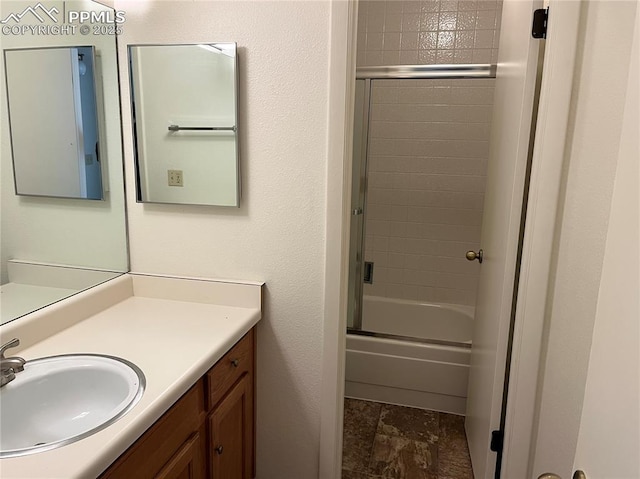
(65, 162)
(53, 247)
(184, 110)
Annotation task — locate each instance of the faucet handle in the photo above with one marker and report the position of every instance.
(11, 344)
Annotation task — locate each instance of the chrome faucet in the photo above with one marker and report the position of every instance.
(10, 366)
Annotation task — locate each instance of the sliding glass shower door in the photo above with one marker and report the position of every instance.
(358, 198)
(420, 152)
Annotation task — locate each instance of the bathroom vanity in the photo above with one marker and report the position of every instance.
(209, 432)
(190, 342)
(194, 341)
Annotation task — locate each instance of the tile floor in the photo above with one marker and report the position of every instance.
(383, 441)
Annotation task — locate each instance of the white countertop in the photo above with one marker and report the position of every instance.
(173, 341)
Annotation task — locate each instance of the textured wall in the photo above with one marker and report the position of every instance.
(400, 32)
(277, 235)
(428, 149)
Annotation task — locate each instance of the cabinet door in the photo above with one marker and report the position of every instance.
(150, 455)
(231, 433)
(187, 463)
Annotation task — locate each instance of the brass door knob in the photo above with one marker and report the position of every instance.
(550, 475)
(471, 255)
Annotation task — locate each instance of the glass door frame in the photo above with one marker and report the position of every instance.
(358, 202)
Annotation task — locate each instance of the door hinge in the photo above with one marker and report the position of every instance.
(497, 439)
(540, 19)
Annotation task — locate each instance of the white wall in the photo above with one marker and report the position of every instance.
(609, 438)
(277, 235)
(595, 128)
(66, 231)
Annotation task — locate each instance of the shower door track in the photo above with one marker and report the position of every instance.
(411, 339)
(466, 70)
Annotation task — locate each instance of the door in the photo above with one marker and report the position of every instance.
(230, 434)
(187, 463)
(511, 129)
(616, 331)
(589, 414)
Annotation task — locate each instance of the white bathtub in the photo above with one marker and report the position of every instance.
(443, 322)
(418, 374)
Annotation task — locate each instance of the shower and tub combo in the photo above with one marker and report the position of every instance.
(420, 152)
(410, 353)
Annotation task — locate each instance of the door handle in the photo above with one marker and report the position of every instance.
(471, 255)
(576, 475)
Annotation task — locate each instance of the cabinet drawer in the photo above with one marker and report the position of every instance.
(156, 447)
(227, 371)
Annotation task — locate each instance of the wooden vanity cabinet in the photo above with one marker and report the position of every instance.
(208, 433)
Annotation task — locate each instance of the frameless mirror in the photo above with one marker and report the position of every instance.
(62, 113)
(53, 247)
(184, 108)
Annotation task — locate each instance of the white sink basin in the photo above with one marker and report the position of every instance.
(61, 399)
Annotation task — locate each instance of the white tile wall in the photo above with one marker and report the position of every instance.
(428, 149)
(401, 32)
